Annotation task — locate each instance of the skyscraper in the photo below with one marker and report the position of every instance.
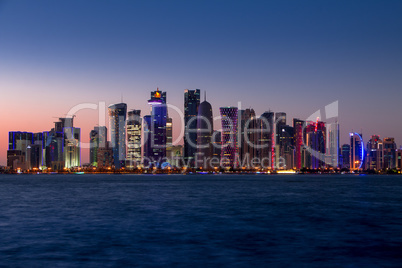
(346, 156)
(389, 153)
(356, 151)
(205, 129)
(216, 148)
(316, 143)
(134, 126)
(72, 147)
(170, 151)
(97, 139)
(247, 136)
(375, 159)
(155, 129)
(191, 103)
(117, 116)
(280, 121)
(333, 144)
(229, 136)
(266, 140)
(298, 126)
(286, 148)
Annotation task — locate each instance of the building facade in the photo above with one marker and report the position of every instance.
(117, 117)
(191, 104)
(134, 127)
(229, 137)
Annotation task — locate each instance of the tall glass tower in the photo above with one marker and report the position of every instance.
(356, 151)
(229, 136)
(134, 138)
(155, 129)
(117, 117)
(205, 129)
(191, 103)
(97, 139)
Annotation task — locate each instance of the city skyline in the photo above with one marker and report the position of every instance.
(293, 58)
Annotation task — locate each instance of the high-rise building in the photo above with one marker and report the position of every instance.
(105, 156)
(356, 151)
(191, 103)
(117, 117)
(20, 141)
(72, 147)
(389, 153)
(229, 136)
(247, 136)
(216, 148)
(346, 156)
(315, 143)
(37, 151)
(134, 125)
(170, 150)
(148, 135)
(97, 139)
(399, 158)
(155, 137)
(280, 121)
(265, 150)
(332, 152)
(375, 159)
(205, 130)
(298, 126)
(286, 148)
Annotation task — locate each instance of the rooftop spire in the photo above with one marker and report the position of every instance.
(205, 95)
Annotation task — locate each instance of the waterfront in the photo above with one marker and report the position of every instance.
(214, 220)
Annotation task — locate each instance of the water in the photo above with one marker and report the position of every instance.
(213, 220)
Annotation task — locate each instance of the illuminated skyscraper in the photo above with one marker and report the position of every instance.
(155, 129)
(216, 147)
(346, 156)
(332, 152)
(389, 153)
(170, 151)
(247, 136)
(229, 136)
(72, 147)
(266, 140)
(191, 103)
(134, 126)
(205, 129)
(286, 148)
(117, 117)
(356, 151)
(316, 143)
(375, 158)
(298, 126)
(97, 139)
(280, 121)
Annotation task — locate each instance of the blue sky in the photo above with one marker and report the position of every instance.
(287, 56)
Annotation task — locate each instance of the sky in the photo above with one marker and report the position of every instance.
(286, 56)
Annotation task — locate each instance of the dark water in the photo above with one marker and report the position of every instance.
(215, 220)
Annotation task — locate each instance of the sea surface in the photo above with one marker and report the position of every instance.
(200, 221)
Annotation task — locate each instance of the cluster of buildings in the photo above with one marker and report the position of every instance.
(57, 149)
(239, 140)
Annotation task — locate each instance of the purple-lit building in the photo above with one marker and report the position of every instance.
(155, 130)
(229, 136)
